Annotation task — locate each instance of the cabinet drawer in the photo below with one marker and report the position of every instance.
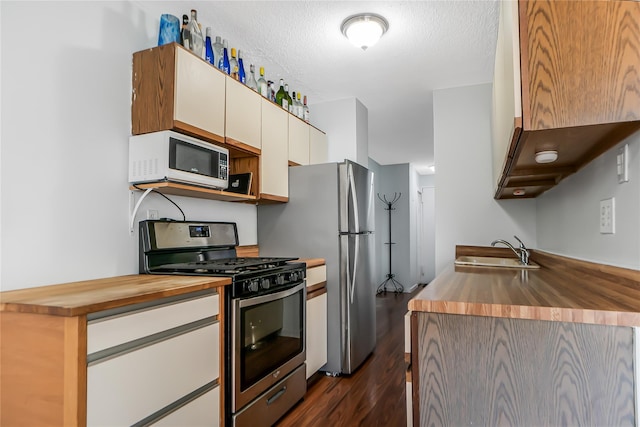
(124, 327)
(316, 275)
(202, 412)
(316, 334)
(127, 388)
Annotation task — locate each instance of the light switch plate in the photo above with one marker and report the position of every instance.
(622, 163)
(608, 216)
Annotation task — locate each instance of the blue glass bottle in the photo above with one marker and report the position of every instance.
(209, 48)
(241, 74)
(223, 63)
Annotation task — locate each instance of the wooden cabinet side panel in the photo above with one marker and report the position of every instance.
(274, 163)
(42, 379)
(152, 99)
(495, 371)
(580, 62)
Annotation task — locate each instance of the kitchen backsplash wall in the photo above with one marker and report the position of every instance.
(66, 106)
(465, 210)
(568, 215)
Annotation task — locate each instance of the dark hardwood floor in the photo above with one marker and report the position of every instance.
(375, 394)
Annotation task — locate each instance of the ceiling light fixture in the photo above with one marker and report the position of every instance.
(364, 29)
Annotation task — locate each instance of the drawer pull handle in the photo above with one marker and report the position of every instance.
(276, 396)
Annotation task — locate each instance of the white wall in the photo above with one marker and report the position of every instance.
(347, 126)
(427, 228)
(66, 105)
(465, 210)
(568, 214)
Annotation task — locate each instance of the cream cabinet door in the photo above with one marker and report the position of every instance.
(202, 412)
(274, 160)
(243, 114)
(316, 333)
(199, 93)
(507, 104)
(298, 141)
(318, 146)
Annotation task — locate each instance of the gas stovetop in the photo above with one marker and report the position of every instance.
(226, 266)
(208, 249)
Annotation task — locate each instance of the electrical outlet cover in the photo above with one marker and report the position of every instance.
(607, 216)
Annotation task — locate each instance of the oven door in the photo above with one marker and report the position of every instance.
(268, 341)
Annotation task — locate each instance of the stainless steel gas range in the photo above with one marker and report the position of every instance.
(264, 335)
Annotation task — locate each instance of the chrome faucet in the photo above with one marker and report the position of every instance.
(522, 252)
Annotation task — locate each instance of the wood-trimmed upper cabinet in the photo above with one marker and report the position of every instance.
(274, 160)
(577, 66)
(298, 141)
(318, 146)
(175, 89)
(243, 112)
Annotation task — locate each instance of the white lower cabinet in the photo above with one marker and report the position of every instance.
(201, 412)
(144, 378)
(316, 333)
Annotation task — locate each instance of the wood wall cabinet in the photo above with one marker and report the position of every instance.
(298, 141)
(173, 89)
(243, 115)
(318, 146)
(316, 326)
(567, 78)
(274, 160)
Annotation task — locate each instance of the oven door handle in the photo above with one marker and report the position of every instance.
(270, 297)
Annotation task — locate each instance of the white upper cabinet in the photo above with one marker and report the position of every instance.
(243, 112)
(298, 141)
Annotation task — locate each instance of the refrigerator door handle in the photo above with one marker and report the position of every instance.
(354, 198)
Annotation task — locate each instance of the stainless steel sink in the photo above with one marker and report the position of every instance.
(486, 261)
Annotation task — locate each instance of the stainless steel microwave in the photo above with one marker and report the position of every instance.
(171, 156)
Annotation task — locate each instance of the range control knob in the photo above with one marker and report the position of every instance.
(280, 279)
(294, 276)
(253, 286)
(265, 283)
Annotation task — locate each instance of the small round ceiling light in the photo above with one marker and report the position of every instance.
(364, 29)
(519, 192)
(549, 156)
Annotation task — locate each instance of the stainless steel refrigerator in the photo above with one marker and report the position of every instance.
(330, 215)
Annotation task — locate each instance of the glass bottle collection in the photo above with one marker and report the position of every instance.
(220, 56)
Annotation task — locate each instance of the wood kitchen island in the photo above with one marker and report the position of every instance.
(502, 346)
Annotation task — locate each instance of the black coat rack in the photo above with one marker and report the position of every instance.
(397, 286)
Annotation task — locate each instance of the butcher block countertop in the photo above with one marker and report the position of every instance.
(312, 262)
(563, 289)
(80, 298)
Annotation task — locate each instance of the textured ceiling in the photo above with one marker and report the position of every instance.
(429, 45)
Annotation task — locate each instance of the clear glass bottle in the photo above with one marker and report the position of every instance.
(251, 80)
(217, 51)
(282, 98)
(185, 37)
(242, 76)
(223, 63)
(289, 100)
(233, 62)
(262, 84)
(196, 41)
(305, 110)
(208, 47)
(300, 108)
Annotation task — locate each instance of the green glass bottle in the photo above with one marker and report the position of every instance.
(282, 98)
